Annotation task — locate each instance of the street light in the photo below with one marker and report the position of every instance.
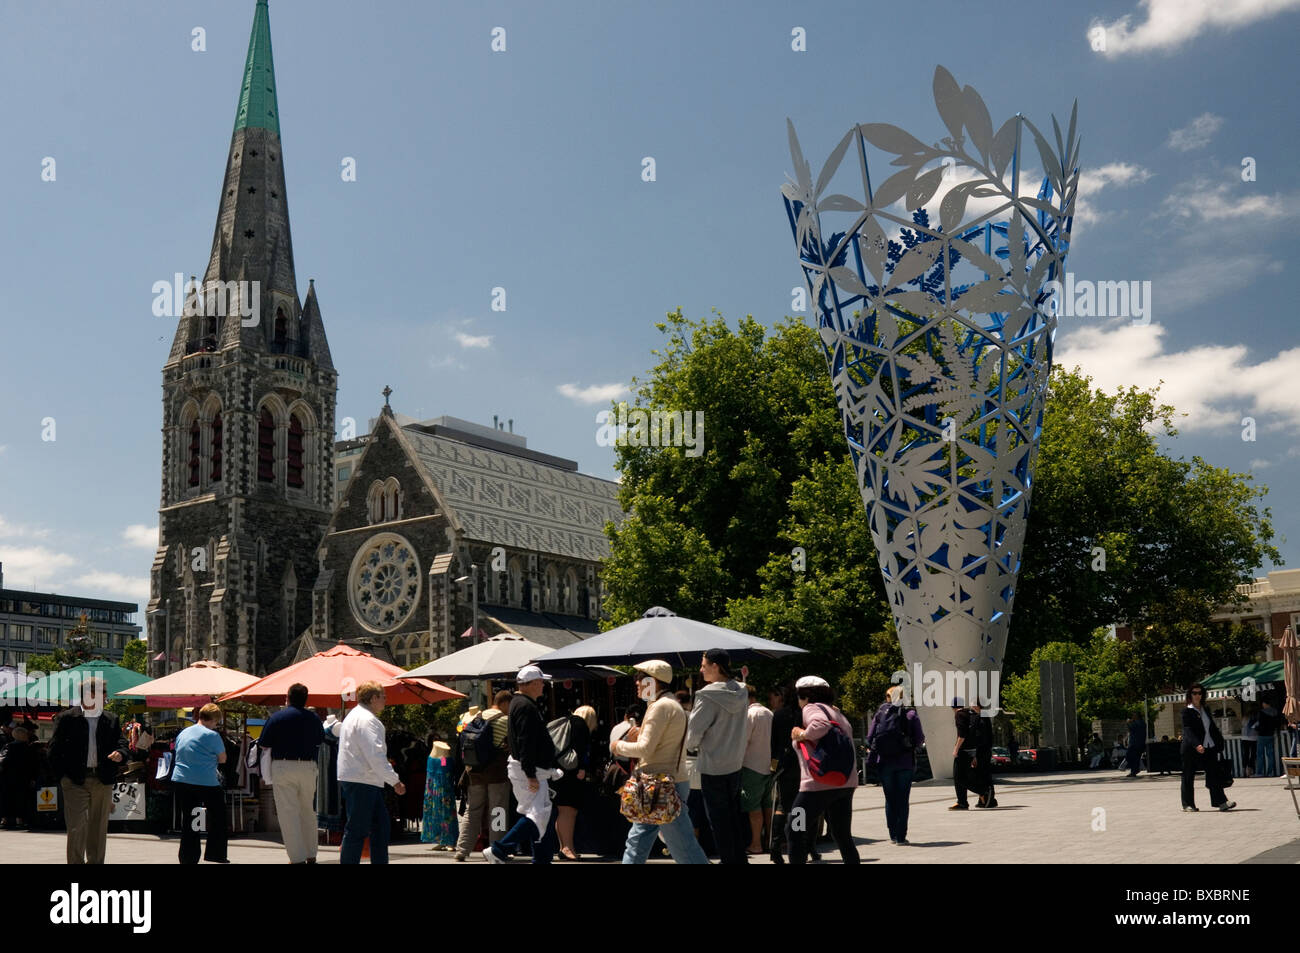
(473, 578)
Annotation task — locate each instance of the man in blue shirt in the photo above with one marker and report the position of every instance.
(293, 736)
(197, 780)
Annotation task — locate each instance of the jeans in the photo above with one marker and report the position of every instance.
(679, 836)
(213, 800)
(367, 817)
(1207, 763)
(897, 784)
(1266, 757)
(837, 807)
(525, 834)
(722, 806)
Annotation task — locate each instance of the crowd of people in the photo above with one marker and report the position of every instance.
(716, 773)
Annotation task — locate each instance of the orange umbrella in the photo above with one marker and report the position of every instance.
(336, 672)
(1290, 647)
(190, 686)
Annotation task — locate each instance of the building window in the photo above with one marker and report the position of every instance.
(194, 453)
(20, 633)
(295, 451)
(281, 330)
(265, 447)
(344, 473)
(216, 448)
(47, 636)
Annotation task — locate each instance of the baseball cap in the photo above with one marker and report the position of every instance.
(812, 681)
(530, 673)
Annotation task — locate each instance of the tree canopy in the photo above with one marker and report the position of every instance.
(765, 531)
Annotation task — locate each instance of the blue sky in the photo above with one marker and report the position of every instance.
(522, 169)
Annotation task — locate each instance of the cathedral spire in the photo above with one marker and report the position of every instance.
(257, 104)
(252, 235)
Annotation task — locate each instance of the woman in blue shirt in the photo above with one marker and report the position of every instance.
(197, 780)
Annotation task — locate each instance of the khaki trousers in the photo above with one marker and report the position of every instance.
(293, 783)
(85, 811)
(484, 798)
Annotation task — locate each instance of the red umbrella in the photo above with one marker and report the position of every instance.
(336, 672)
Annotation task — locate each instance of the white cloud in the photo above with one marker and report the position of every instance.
(474, 340)
(138, 534)
(595, 394)
(113, 585)
(1214, 385)
(33, 568)
(1196, 134)
(1168, 24)
(1258, 464)
(1207, 201)
(13, 531)
(1092, 181)
(1188, 285)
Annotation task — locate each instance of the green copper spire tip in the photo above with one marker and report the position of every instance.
(257, 105)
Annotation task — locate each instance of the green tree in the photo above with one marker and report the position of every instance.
(136, 656)
(863, 686)
(1116, 525)
(703, 526)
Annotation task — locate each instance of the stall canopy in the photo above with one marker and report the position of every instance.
(336, 672)
(191, 686)
(661, 633)
(1229, 682)
(64, 688)
(1290, 647)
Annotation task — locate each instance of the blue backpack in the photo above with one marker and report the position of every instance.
(832, 761)
(893, 735)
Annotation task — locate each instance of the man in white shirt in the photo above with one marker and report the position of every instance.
(363, 772)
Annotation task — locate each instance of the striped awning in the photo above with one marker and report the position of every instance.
(1230, 682)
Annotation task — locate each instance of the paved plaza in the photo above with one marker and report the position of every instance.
(1063, 817)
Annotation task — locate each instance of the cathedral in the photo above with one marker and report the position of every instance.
(270, 549)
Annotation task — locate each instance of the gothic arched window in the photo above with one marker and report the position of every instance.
(265, 447)
(216, 448)
(281, 330)
(295, 451)
(194, 453)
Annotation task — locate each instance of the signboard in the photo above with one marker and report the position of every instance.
(128, 802)
(47, 800)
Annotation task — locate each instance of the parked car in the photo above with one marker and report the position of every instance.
(1001, 757)
(1028, 757)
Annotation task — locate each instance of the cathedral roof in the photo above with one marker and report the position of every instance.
(506, 499)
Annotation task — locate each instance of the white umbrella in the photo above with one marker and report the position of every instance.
(661, 633)
(498, 657)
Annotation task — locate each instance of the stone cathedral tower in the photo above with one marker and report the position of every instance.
(248, 419)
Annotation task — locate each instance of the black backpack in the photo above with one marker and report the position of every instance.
(893, 735)
(561, 732)
(477, 748)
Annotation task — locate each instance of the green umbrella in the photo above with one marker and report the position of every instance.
(58, 689)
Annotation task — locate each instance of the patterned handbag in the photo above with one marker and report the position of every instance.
(652, 798)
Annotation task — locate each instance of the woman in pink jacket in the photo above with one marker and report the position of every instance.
(828, 773)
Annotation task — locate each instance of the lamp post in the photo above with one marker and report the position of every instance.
(472, 578)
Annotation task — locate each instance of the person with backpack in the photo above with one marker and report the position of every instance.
(828, 773)
(573, 754)
(963, 753)
(983, 757)
(893, 739)
(483, 748)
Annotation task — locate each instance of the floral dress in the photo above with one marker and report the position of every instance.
(439, 827)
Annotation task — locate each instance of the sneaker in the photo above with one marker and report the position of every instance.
(960, 807)
(492, 857)
(1227, 805)
(1190, 809)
